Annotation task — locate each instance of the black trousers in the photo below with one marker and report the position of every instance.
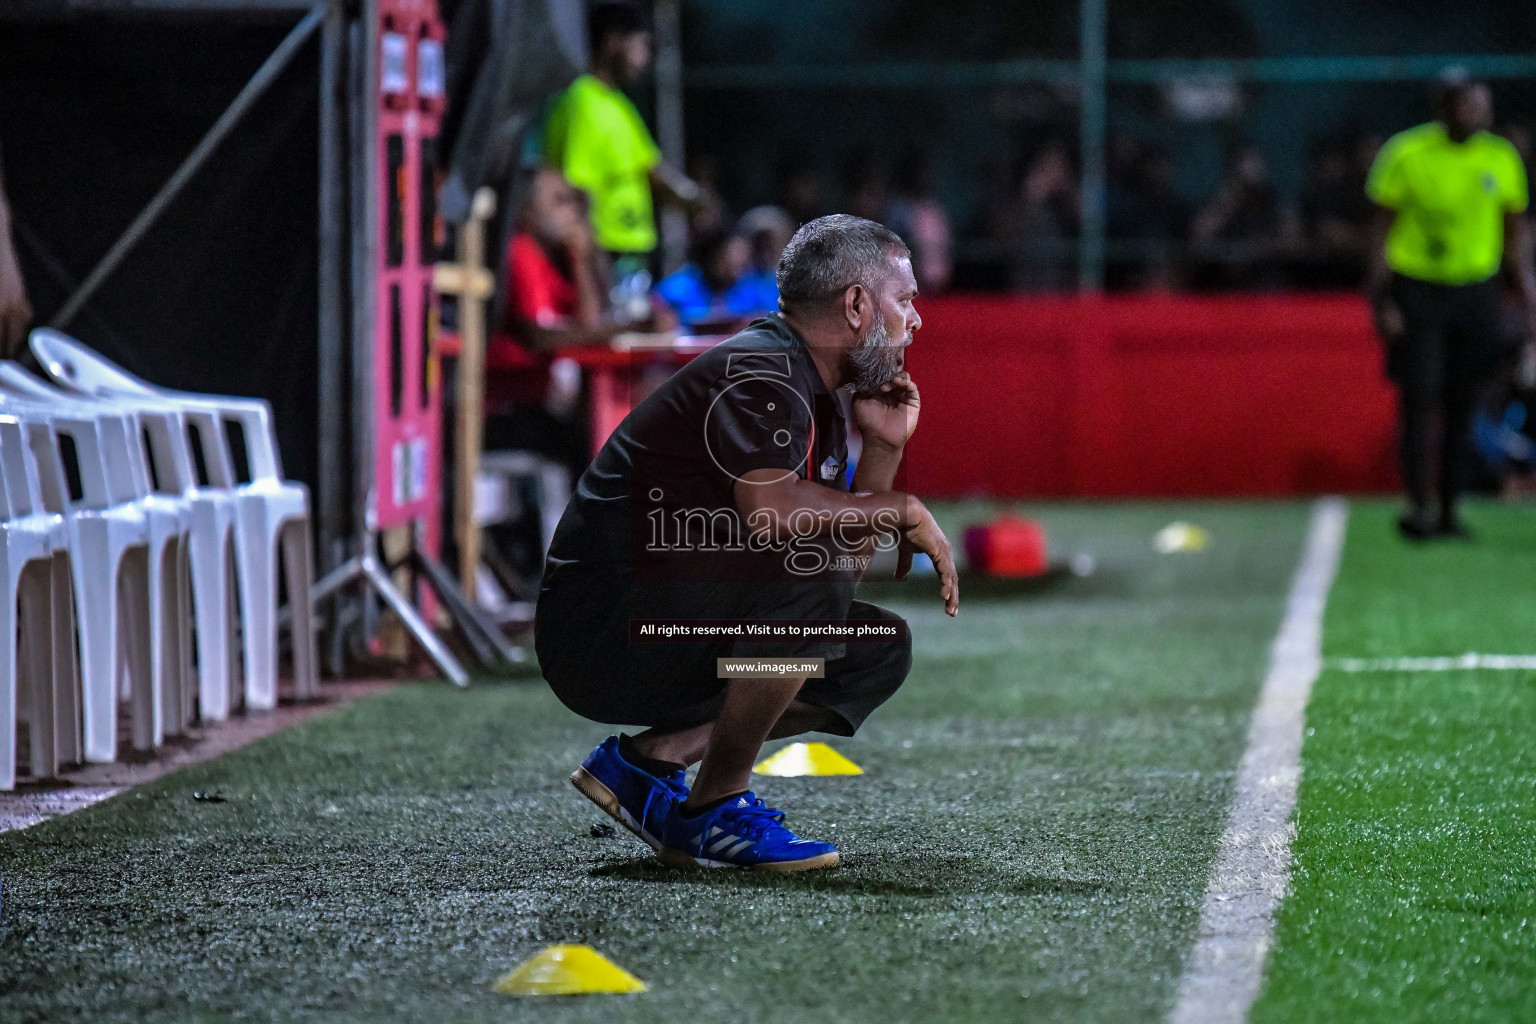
(583, 643)
(1451, 344)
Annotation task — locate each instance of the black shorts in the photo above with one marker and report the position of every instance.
(1453, 336)
(582, 639)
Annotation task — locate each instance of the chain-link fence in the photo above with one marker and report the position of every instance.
(1188, 144)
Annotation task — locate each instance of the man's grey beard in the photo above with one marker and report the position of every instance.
(875, 361)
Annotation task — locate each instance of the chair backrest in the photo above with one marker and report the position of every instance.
(160, 437)
(100, 441)
(79, 368)
(29, 488)
(83, 368)
(15, 494)
(127, 465)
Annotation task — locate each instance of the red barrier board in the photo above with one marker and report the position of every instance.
(1150, 396)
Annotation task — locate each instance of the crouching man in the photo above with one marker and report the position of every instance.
(721, 501)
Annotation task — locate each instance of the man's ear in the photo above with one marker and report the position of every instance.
(856, 307)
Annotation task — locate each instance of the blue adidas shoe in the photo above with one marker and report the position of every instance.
(741, 833)
(635, 799)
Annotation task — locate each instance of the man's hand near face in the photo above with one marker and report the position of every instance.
(888, 418)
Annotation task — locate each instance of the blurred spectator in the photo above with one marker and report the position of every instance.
(866, 192)
(1039, 221)
(1504, 434)
(801, 192)
(596, 138)
(553, 292)
(982, 265)
(769, 229)
(706, 290)
(1145, 215)
(917, 216)
(554, 301)
(1123, 156)
(1245, 227)
(1335, 221)
(709, 214)
(1367, 144)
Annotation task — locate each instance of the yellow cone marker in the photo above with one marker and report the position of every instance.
(807, 759)
(568, 971)
(1180, 537)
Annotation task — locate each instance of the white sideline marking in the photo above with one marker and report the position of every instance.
(1253, 865)
(1502, 662)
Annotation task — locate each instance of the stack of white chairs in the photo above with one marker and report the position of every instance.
(124, 527)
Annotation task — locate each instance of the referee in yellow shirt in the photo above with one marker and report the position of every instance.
(1452, 197)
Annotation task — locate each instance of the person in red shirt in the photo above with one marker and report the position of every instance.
(554, 294)
(553, 300)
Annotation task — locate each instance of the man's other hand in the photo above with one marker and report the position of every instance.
(889, 416)
(924, 535)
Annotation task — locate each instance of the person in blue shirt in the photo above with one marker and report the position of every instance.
(708, 289)
(768, 228)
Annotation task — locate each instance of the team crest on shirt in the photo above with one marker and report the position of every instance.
(1488, 183)
(829, 468)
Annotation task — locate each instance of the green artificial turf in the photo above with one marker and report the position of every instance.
(1414, 893)
(1031, 840)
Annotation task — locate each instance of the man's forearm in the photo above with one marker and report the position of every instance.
(877, 468)
(674, 185)
(783, 509)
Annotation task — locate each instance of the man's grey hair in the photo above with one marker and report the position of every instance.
(830, 254)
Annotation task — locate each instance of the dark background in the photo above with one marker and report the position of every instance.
(221, 295)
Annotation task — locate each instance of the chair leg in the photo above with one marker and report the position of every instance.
(212, 570)
(189, 681)
(34, 650)
(8, 685)
(165, 581)
(234, 626)
(258, 614)
(66, 663)
(298, 559)
(135, 597)
(96, 606)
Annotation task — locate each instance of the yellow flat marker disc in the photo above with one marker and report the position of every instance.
(568, 971)
(807, 759)
(1180, 536)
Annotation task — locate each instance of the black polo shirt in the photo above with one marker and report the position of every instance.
(659, 499)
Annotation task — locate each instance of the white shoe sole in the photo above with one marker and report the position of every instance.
(679, 859)
(591, 788)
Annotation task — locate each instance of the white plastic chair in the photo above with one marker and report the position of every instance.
(271, 513)
(205, 547)
(109, 548)
(37, 623)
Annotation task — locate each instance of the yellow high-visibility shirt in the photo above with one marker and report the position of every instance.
(1450, 199)
(597, 139)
